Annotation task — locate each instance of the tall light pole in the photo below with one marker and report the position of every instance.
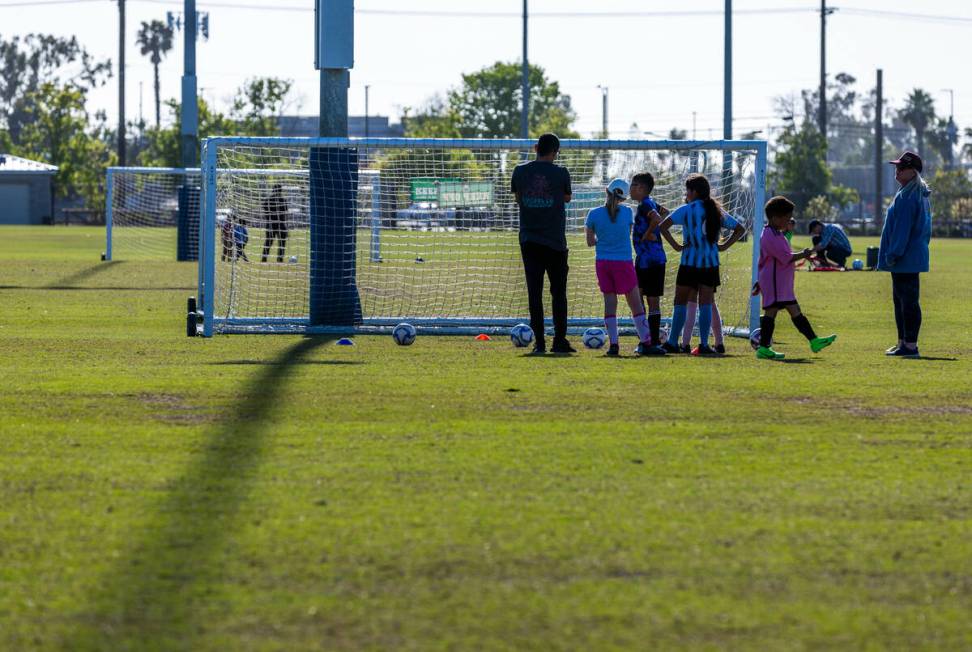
(824, 12)
(879, 163)
(525, 90)
(189, 127)
(367, 130)
(951, 129)
(604, 111)
(727, 75)
(121, 82)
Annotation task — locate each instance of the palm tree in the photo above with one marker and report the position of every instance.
(156, 40)
(919, 113)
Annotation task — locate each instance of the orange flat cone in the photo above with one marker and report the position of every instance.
(483, 337)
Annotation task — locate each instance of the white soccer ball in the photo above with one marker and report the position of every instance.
(293, 259)
(662, 336)
(404, 334)
(521, 335)
(594, 338)
(754, 338)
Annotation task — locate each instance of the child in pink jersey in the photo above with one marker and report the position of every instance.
(776, 276)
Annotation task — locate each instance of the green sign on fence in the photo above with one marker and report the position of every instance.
(451, 193)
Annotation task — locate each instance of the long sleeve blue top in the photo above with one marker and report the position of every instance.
(907, 230)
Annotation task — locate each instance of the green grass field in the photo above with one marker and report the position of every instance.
(283, 493)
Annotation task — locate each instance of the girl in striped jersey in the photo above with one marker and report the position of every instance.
(702, 220)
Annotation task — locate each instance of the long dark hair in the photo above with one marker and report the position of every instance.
(713, 211)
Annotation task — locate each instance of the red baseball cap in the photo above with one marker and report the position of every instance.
(908, 160)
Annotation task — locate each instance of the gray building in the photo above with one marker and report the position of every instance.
(304, 126)
(26, 192)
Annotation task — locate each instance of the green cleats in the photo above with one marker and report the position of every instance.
(818, 344)
(766, 353)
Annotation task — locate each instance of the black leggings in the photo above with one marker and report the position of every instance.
(907, 311)
(281, 237)
(537, 261)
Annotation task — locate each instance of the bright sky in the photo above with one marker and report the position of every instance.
(661, 60)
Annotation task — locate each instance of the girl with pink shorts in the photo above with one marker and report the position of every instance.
(608, 230)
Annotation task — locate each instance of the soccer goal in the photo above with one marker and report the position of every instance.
(358, 235)
(152, 213)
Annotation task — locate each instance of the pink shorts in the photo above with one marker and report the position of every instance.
(616, 276)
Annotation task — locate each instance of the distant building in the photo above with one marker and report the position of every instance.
(301, 126)
(26, 191)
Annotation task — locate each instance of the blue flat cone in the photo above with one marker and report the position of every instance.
(345, 341)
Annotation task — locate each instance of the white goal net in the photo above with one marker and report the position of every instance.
(144, 210)
(324, 235)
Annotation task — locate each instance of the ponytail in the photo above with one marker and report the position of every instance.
(713, 211)
(612, 205)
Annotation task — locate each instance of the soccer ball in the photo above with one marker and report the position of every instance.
(858, 264)
(521, 335)
(404, 334)
(754, 338)
(293, 259)
(662, 336)
(594, 338)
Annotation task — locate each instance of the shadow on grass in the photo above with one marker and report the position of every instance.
(277, 362)
(68, 281)
(102, 288)
(160, 593)
(931, 358)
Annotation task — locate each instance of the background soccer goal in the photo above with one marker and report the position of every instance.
(379, 231)
(152, 213)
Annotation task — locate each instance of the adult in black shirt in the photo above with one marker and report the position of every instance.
(542, 188)
(275, 210)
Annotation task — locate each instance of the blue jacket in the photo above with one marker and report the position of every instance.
(907, 230)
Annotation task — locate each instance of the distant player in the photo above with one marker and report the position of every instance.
(650, 258)
(701, 219)
(830, 244)
(608, 230)
(275, 212)
(775, 285)
(241, 236)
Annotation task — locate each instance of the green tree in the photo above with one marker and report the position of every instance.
(57, 132)
(487, 105)
(948, 187)
(258, 104)
(155, 39)
(254, 112)
(919, 113)
(433, 120)
(26, 63)
(801, 170)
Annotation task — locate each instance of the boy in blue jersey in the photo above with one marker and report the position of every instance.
(650, 256)
(701, 219)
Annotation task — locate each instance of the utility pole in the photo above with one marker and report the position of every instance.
(727, 76)
(604, 111)
(951, 129)
(121, 83)
(694, 114)
(824, 12)
(367, 130)
(879, 151)
(189, 128)
(525, 90)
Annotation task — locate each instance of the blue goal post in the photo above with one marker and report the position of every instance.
(340, 235)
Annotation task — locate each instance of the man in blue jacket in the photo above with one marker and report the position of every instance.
(904, 250)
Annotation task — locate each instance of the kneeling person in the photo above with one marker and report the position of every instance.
(830, 243)
(776, 276)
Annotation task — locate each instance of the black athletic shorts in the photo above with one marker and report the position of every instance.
(651, 280)
(694, 277)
